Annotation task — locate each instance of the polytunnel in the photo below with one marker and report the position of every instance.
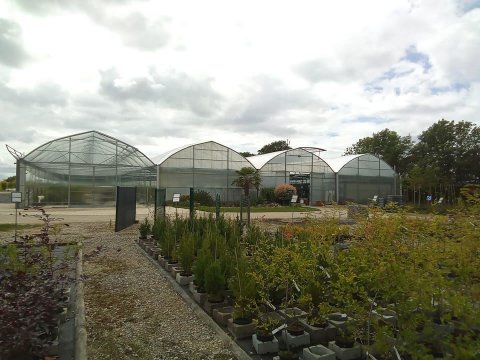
(302, 167)
(83, 170)
(360, 177)
(207, 166)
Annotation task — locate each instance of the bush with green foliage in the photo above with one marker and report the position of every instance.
(186, 252)
(144, 228)
(267, 195)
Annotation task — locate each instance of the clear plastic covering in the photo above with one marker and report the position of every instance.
(84, 169)
(207, 166)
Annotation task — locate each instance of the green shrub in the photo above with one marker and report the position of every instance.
(144, 228)
(186, 252)
(214, 280)
(204, 198)
(267, 195)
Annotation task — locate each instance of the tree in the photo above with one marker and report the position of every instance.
(391, 147)
(452, 150)
(274, 146)
(248, 177)
(246, 153)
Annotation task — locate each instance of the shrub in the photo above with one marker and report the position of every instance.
(144, 229)
(214, 280)
(204, 198)
(283, 193)
(267, 195)
(186, 252)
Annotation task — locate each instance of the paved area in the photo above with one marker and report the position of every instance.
(87, 215)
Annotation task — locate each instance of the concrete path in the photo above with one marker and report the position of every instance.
(84, 215)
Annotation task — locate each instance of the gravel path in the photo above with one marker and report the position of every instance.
(131, 310)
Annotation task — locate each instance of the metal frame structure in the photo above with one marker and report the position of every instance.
(208, 166)
(83, 169)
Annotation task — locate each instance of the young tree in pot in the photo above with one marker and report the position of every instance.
(144, 228)
(186, 253)
(202, 261)
(244, 289)
(214, 282)
(265, 326)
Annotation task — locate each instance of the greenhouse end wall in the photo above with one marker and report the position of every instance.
(317, 179)
(208, 166)
(364, 177)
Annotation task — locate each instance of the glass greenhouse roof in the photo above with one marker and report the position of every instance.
(88, 148)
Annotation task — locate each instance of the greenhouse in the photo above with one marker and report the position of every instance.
(361, 177)
(83, 170)
(301, 167)
(207, 166)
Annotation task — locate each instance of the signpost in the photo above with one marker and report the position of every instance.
(16, 198)
(292, 202)
(176, 200)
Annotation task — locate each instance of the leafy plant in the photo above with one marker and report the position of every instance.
(32, 282)
(283, 193)
(214, 282)
(144, 228)
(186, 252)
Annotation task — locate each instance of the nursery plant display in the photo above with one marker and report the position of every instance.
(404, 284)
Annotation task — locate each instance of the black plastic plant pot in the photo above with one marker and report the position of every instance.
(295, 329)
(345, 343)
(242, 321)
(264, 335)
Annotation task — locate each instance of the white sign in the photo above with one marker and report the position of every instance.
(176, 198)
(294, 198)
(16, 197)
(429, 197)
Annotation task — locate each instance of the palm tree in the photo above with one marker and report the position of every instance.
(248, 177)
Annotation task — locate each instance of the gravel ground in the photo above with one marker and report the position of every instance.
(131, 310)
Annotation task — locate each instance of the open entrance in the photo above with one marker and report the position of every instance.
(301, 181)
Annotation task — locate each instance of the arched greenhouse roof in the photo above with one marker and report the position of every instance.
(206, 145)
(88, 148)
(259, 161)
(338, 163)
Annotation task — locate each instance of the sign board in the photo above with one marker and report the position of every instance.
(176, 198)
(16, 197)
(429, 197)
(294, 198)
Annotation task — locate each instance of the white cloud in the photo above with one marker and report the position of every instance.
(160, 74)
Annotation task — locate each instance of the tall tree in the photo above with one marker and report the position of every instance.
(452, 149)
(248, 178)
(246, 153)
(274, 146)
(391, 147)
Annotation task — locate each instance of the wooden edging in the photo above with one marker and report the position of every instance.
(80, 323)
(237, 350)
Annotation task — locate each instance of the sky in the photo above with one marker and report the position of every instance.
(162, 74)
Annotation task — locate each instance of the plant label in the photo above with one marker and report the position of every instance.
(281, 327)
(270, 305)
(296, 286)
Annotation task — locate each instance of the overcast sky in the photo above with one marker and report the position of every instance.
(161, 74)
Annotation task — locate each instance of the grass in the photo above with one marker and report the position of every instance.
(257, 209)
(11, 227)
